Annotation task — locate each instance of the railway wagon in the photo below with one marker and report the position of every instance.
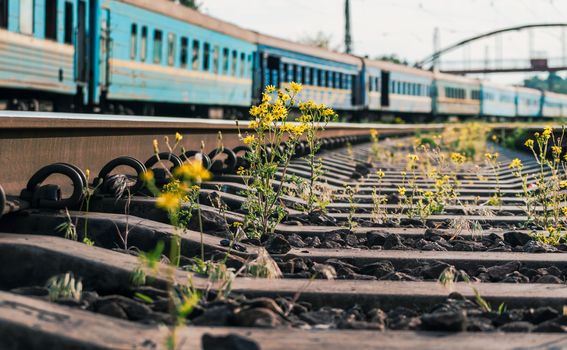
(157, 55)
(497, 100)
(41, 42)
(396, 88)
(455, 96)
(328, 77)
(554, 105)
(529, 102)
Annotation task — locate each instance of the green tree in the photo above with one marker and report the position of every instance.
(553, 83)
(194, 4)
(393, 58)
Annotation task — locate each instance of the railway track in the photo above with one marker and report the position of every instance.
(365, 273)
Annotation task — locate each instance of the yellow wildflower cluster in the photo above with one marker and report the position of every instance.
(249, 139)
(168, 201)
(380, 173)
(413, 157)
(295, 87)
(491, 156)
(516, 164)
(458, 158)
(529, 143)
(402, 191)
(546, 134)
(193, 171)
(556, 150)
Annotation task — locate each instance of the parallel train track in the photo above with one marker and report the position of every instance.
(385, 276)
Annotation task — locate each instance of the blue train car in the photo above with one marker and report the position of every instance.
(455, 95)
(42, 46)
(153, 52)
(497, 100)
(528, 102)
(554, 105)
(328, 77)
(396, 88)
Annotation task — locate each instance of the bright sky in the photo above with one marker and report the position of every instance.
(406, 27)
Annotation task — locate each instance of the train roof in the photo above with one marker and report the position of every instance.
(268, 40)
(455, 78)
(492, 84)
(528, 90)
(183, 13)
(390, 66)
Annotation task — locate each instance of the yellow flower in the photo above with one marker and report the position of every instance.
(494, 138)
(403, 173)
(402, 191)
(249, 139)
(168, 201)
(547, 132)
(529, 143)
(266, 97)
(380, 173)
(285, 97)
(516, 163)
(193, 171)
(298, 130)
(563, 184)
(556, 150)
(373, 132)
(295, 87)
(413, 157)
(564, 210)
(253, 124)
(428, 194)
(148, 176)
(88, 173)
(270, 89)
(491, 156)
(178, 137)
(457, 158)
(255, 111)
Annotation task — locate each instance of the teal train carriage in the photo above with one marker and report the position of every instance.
(397, 89)
(497, 100)
(168, 59)
(42, 54)
(328, 77)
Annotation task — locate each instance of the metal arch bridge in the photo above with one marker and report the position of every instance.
(496, 66)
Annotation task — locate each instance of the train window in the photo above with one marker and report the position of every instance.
(183, 52)
(312, 75)
(242, 64)
(370, 83)
(51, 19)
(195, 57)
(216, 59)
(234, 63)
(68, 37)
(144, 44)
(249, 66)
(341, 86)
(26, 16)
(133, 41)
(225, 63)
(475, 95)
(206, 57)
(3, 13)
(303, 76)
(157, 46)
(307, 76)
(377, 84)
(171, 49)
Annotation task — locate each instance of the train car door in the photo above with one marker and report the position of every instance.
(81, 43)
(105, 46)
(385, 88)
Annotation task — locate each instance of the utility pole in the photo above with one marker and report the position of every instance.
(348, 37)
(436, 48)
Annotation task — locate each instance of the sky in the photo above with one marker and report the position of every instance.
(406, 27)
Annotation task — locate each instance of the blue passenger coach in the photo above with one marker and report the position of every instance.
(497, 100)
(158, 52)
(328, 77)
(397, 89)
(41, 42)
